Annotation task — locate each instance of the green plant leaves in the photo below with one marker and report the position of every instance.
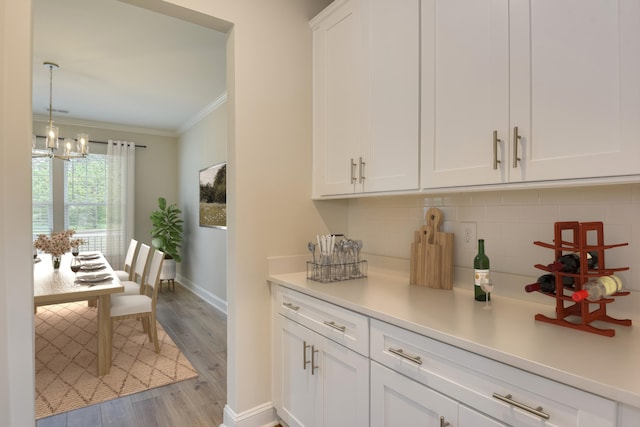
(167, 229)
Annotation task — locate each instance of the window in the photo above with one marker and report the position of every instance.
(42, 197)
(85, 199)
(80, 205)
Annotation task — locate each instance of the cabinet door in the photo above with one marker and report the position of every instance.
(391, 133)
(296, 394)
(343, 385)
(465, 92)
(575, 87)
(467, 417)
(397, 401)
(337, 98)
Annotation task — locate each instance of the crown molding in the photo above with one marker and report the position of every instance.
(106, 125)
(217, 103)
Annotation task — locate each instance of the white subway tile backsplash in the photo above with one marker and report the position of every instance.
(560, 195)
(472, 213)
(521, 197)
(487, 198)
(509, 221)
(503, 213)
(582, 213)
(607, 194)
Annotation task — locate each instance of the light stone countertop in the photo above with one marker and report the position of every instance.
(508, 333)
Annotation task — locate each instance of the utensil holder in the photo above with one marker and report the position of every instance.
(336, 272)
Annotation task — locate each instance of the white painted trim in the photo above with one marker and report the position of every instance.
(260, 416)
(206, 295)
(217, 103)
(106, 125)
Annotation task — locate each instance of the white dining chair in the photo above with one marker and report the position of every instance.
(141, 306)
(127, 272)
(133, 286)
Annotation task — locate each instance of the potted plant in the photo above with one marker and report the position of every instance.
(166, 236)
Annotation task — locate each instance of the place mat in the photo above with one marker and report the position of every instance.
(66, 359)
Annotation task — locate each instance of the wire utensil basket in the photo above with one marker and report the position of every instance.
(335, 272)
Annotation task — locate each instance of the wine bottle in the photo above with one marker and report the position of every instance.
(481, 272)
(570, 263)
(598, 288)
(547, 283)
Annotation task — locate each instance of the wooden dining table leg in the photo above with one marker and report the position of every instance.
(104, 334)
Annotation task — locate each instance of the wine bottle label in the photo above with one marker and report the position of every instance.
(610, 285)
(482, 276)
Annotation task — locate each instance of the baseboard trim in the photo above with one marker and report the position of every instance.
(207, 296)
(260, 416)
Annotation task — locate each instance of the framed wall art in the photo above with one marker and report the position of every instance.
(213, 196)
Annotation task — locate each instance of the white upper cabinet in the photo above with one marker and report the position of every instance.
(564, 73)
(366, 97)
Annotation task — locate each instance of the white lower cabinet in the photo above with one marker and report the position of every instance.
(336, 367)
(501, 392)
(317, 382)
(398, 401)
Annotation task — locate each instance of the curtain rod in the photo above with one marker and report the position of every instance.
(98, 142)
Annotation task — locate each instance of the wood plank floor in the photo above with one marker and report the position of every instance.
(200, 331)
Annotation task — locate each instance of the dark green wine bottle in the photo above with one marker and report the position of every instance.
(481, 272)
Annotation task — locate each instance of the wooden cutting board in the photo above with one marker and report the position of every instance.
(432, 254)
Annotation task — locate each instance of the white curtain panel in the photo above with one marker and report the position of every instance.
(121, 158)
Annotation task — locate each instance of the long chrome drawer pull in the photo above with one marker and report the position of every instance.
(535, 411)
(516, 139)
(401, 353)
(314, 367)
(291, 306)
(496, 140)
(334, 326)
(305, 346)
(443, 423)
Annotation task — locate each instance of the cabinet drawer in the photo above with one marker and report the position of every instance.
(478, 382)
(336, 323)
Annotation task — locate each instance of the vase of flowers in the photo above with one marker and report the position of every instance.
(57, 244)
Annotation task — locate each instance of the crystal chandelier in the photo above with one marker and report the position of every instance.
(72, 148)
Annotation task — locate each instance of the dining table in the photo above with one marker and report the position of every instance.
(95, 280)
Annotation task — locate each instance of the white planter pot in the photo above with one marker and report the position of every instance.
(168, 269)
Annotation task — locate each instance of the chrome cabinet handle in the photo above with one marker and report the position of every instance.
(333, 325)
(305, 346)
(443, 423)
(353, 171)
(516, 139)
(291, 306)
(496, 140)
(313, 360)
(509, 399)
(401, 353)
(361, 171)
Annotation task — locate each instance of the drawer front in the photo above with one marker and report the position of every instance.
(336, 323)
(506, 393)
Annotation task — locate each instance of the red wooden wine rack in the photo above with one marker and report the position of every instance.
(565, 306)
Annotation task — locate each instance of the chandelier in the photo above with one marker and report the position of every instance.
(71, 148)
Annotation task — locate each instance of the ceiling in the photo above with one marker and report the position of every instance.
(124, 65)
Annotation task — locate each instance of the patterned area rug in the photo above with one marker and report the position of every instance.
(66, 365)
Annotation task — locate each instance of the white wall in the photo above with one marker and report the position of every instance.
(509, 221)
(270, 211)
(204, 251)
(16, 278)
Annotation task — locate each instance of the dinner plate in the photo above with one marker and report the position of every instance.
(88, 256)
(92, 266)
(94, 278)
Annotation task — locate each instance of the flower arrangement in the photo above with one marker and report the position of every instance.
(58, 243)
